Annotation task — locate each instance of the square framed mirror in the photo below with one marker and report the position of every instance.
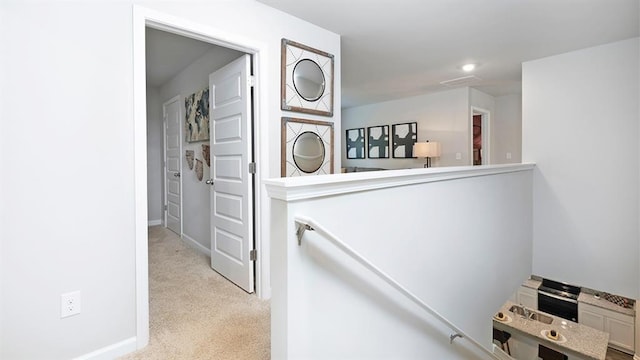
(306, 79)
(306, 147)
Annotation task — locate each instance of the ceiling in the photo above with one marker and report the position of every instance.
(398, 48)
(167, 54)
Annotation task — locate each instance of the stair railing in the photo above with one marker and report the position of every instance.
(306, 224)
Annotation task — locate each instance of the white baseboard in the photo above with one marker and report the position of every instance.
(112, 351)
(155, 222)
(636, 357)
(196, 245)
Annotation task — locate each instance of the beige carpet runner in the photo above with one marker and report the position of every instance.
(195, 313)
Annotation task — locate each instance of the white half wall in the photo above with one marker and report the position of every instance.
(580, 127)
(442, 117)
(460, 250)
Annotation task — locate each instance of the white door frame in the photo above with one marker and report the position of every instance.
(143, 17)
(177, 98)
(486, 134)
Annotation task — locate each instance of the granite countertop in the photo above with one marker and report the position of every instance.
(591, 300)
(581, 340)
(532, 283)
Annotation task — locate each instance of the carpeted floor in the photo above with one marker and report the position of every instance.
(195, 313)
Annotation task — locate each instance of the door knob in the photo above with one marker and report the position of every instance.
(177, 174)
(209, 181)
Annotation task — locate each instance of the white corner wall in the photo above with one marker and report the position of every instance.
(196, 212)
(155, 156)
(580, 127)
(506, 130)
(68, 221)
(442, 116)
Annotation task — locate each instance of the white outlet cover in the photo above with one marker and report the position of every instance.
(458, 156)
(70, 304)
(508, 155)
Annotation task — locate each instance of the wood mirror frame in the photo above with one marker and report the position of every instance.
(294, 53)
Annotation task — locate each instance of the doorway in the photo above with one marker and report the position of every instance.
(480, 122)
(208, 123)
(144, 18)
(172, 114)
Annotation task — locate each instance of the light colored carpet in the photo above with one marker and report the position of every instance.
(195, 313)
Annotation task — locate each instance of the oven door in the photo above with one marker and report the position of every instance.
(558, 306)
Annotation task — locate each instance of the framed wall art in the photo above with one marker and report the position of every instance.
(197, 116)
(404, 136)
(306, 79)
(355, 143)
(378, 139)
(306, 147)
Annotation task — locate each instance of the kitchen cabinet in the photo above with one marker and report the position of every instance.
(527, 297)
(621, 333)
(526, 348)
(523, 347)
(621, 327)
(589, 317)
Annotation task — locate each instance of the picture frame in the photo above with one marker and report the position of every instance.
(197, 116)
(306, 79)
(378, 142)
(306, 147)
(403, 137)
(355, 143)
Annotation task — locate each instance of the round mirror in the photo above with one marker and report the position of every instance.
(308, 152)
(308, 80)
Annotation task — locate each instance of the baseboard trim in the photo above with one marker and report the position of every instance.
(155, 222)
(112, 351)
(196, 245)
(636, 357)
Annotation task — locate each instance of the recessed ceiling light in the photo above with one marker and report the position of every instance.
(468, 67)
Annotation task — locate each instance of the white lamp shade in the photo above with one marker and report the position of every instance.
(426, 149)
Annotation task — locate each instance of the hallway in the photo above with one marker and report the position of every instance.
(194, 312)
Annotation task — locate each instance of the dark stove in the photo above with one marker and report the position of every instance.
(559, 299)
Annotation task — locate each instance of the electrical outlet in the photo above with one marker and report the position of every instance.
(458, 156)
(70, 304)
(508, 156)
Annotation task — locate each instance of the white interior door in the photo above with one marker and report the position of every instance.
(173, 165)
(231, 180)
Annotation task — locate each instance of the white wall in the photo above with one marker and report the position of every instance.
(580, 127)
(3, 208)
(482, 100)
(461, 251)
(155, 156)
(196, 212)
(70, 224)
(442, 116)
(506, 129)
